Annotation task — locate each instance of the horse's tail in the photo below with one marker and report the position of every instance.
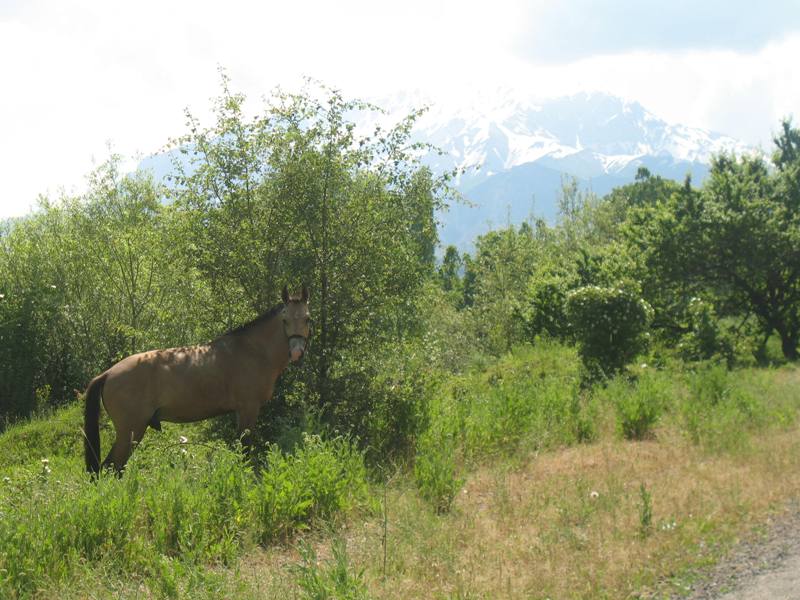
(91, 424)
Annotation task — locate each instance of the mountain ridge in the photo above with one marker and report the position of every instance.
(513, 150)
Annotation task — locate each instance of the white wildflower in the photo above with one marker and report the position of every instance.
(183, 439)
(669, 525)
(45, 462)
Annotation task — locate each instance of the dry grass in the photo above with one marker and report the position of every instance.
(564, 524)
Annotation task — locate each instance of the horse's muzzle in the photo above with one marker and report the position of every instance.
(297, 347)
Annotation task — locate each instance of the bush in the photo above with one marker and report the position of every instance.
(717, 413)
(318, 480)
(545, 313)
(381, 400)
(435, 469)
(610, 325)
(706, 340)
(638, 405)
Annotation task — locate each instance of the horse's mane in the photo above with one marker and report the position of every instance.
(260, 319)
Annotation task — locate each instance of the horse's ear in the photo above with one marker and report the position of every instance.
(285, 295)
(304, 295)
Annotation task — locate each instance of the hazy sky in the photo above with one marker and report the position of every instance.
(77, 75)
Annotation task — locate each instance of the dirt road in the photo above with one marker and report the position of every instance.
(765, 568)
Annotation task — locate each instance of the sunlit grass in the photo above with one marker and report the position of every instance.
(524, 485)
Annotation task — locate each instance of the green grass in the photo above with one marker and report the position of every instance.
(178, 509)
(179, 521)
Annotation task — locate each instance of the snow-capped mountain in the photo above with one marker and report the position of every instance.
(595, 134)
(516, 151)
(520, 149)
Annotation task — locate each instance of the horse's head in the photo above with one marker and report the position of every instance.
(296, 322)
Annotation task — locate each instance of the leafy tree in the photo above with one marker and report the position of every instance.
(296, 194)
(495, 284)
(739, 238)
(449, 271)
(544, 312)
(87, 280)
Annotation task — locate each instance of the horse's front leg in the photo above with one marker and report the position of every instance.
(246, 418)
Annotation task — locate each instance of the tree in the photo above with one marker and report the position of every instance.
(297, 194)
(87, 280)
(739, 238)
(495, 284)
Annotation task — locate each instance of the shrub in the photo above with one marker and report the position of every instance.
(435, 469)
(381, 400)
(545, 313)
(610, 325)
(319, 479)
(638, 405)
(717, 413)
(705, 340)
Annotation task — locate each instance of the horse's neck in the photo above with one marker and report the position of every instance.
(269, 340)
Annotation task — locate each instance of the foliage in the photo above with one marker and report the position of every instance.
(638, 405)
(611, 327)
(332, 580)
(318, 480)
(544, 313)
(739, 239)
(495, 282)
(293, 194)
(178, 503)
(297, 194)
(706, 338)
(435, 470)
(86, 282)
(717, 413)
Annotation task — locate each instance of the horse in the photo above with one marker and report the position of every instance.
(234, 373)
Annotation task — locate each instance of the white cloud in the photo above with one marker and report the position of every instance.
(76, 75)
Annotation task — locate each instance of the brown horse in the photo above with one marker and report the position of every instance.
(234, 373)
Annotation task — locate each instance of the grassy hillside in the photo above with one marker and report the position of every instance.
(524, 484)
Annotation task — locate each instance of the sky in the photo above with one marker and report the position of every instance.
(80, 77)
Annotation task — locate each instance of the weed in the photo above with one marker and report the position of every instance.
(645, 511)
(435, 470)
(638, 406)
(331, 580)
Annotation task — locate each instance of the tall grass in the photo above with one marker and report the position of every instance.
(185, 503)
(720, 408)
(531, 398)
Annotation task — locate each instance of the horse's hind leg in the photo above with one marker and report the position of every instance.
(123, 446)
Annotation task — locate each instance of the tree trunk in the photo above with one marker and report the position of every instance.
(789, 343)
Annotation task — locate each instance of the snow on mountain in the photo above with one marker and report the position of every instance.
(516, 149)
(597, 133)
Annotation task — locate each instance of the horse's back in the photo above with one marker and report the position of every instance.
(183, 384)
